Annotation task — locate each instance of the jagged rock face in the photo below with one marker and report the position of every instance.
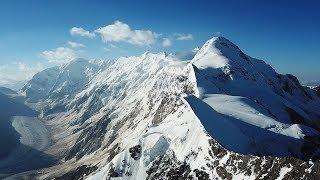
(77, 173)
(89, 140)
(234, 166)
(223, 115)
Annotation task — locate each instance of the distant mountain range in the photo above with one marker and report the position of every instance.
(223, 115)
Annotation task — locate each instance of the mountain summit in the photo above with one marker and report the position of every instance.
(212, 52)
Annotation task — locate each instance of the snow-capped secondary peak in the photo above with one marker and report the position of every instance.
(62, 82)
(80, 64)
(149, 56)
(77, 60)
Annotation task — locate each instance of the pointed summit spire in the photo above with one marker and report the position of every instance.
(217, 52)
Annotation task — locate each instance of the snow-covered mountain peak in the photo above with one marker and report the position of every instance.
(77, 60)
(220, 41)
(78, 64)
(218, 52)
(62, 82)
(149, 56)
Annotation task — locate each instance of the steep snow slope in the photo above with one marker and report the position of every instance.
(39, 86)
(58, 85)
(219, 116)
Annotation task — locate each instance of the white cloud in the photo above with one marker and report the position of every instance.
(166, 42)
(76, 31)
(14, 75)
(119, 31)
(113, 46)
(107, 49)
(75, 44)
(22, 66)
(184, 37)
(60, 55)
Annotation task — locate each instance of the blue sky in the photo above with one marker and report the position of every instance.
(32, 33)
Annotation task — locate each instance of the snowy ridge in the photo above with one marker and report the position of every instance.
(154, 117)
(61, 82)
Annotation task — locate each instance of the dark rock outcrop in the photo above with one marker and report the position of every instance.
(89, 140)
(78, 174)
(317, 90)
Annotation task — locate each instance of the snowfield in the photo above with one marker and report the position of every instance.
(262, 131)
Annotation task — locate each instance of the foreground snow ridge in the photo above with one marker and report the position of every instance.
(220, 115)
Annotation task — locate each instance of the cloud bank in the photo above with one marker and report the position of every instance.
(75, 44)
(16, 74)
(184, 37)
(166, 42)
(121, 32)
(60, 55)
(76, 31)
